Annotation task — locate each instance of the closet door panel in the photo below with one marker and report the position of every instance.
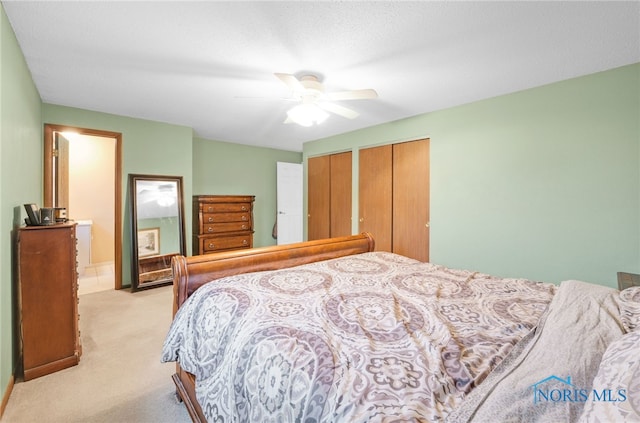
(411, 199)
(340, 210)
(375, 194)
(318, 197)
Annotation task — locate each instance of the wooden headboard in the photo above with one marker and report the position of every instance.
(190, 273)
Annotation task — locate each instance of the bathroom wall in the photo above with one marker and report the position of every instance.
(92, 191)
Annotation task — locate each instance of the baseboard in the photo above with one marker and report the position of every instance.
(7, 394)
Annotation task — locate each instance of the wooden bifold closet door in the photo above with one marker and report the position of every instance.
(318, 197)
(329, 196)
(411, 199)
(340, 194)
(375, 188)
(394, 197)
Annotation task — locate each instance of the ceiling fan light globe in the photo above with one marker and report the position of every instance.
(307, 114)
(166, 201)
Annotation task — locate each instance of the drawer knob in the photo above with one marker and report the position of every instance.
(209, 229)
(210, 219)
(244, 217)
(244, 207)
(244, 242)
(211, 245)
(244, 226)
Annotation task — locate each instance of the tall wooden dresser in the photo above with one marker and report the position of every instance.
(222, 223)
(48, 299)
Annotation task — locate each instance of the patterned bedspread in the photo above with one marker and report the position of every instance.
(375, 337)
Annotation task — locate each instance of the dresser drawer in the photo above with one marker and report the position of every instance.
(225, 217)
(213, 244)
(224, 207)
(214, 228)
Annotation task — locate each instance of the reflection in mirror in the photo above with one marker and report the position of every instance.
(157, 228)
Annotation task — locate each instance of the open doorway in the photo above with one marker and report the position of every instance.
(82, 172)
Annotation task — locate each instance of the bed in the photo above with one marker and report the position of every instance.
(333, 331)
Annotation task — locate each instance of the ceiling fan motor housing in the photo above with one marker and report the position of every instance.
(313, 89)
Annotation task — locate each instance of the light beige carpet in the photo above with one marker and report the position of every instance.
(119, 378)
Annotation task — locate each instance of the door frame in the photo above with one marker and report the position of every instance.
(49, 130)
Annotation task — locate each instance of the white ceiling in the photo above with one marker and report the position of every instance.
(209, 65)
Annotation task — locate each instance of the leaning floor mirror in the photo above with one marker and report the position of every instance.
(157, 228)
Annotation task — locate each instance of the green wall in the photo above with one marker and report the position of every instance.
(20, 174)
(148, 147)
(542, 184)
(225, 168)
(207, 167)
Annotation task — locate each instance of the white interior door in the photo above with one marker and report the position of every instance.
(289, 202)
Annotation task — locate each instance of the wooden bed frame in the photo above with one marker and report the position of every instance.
(190, 273)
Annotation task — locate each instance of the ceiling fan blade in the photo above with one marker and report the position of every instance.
(338, 110)
(352, 95)
(237, 97)
(290, 81)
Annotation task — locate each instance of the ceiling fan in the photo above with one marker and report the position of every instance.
(315, 102)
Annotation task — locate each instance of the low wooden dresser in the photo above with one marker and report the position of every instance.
(222, 223)
(48, 299)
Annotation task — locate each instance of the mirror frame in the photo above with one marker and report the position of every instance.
(136, 284)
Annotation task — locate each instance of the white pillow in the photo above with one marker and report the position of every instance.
(617, 383)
